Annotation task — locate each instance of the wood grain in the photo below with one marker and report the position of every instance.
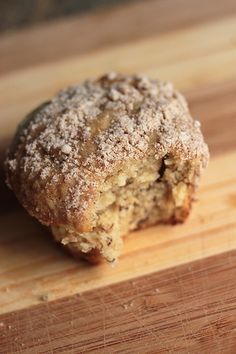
(186, 309)
(215, 106)
(194, 307)
(195, 57)
(31, 265)
(78, 35)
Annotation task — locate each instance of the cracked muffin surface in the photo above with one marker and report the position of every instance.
(106, 157)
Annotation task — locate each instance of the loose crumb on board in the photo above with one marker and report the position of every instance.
(127, 305)
(2, 324)
(43, 297)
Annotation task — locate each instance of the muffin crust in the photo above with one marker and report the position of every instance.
(106, 157)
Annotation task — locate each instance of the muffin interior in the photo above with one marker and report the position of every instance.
(139, 195)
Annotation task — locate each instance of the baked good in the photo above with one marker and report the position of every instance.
(114, 154)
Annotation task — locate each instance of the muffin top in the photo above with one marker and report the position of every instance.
(69, 145)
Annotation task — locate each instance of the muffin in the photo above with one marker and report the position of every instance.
(111, 155)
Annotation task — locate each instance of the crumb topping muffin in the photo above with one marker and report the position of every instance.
(105, 157)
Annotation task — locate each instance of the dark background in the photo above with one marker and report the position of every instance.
(16, 14)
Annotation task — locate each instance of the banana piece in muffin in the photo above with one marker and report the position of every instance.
(111, 155)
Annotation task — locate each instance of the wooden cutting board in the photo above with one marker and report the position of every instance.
(174, 288)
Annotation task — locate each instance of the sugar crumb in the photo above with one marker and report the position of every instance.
(44, 297)
(66, 149)
(197, 124)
